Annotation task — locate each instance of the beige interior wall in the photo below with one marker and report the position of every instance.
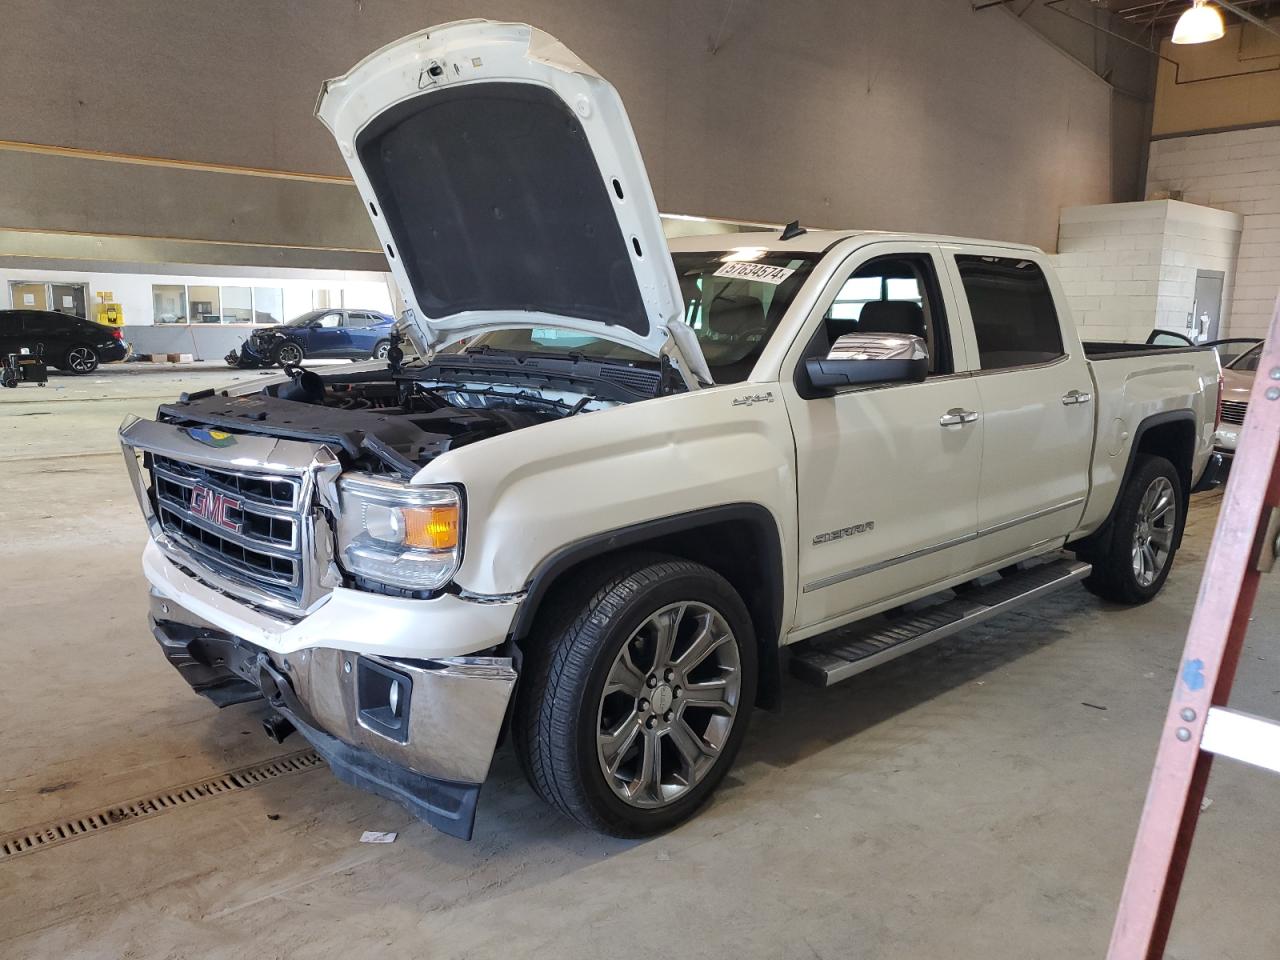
(893, 114)
(1232, 82)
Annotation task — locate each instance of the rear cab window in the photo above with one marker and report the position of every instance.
(1015, 321)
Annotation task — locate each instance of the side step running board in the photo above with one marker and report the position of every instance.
(851, 650)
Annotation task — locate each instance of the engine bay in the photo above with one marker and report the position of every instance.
(397, 422)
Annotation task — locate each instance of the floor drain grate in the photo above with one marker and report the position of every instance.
(46, 835)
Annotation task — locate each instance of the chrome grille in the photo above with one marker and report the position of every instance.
(248, 516)
(265, 549)
(1233, 411)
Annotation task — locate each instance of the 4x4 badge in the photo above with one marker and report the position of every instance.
(210, 437)
(753, 398)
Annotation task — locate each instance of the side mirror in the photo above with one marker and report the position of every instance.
(861, 358)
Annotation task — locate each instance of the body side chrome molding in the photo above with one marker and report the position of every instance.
(1006, 524)
(884, 564)
(936, 548)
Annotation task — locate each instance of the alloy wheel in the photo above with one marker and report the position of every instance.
(380, 352)
(81, 359)
(669, 704)
(1153, 532)
(289, 355)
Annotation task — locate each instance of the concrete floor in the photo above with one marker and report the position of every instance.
(975, 800)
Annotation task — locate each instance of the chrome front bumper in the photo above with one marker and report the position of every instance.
(434, 764)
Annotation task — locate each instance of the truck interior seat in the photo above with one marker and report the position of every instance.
(892, 316)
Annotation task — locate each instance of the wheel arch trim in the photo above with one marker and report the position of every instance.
(1135, 448)
(766, 606)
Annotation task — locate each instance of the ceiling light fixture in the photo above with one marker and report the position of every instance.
(1200, 24)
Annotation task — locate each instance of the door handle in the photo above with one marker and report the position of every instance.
(1075, 396)
(957, 417)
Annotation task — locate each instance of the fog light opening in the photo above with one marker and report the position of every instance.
(382, 699)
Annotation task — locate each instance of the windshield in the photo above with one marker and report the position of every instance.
(304, 319)
(732, 305)
(1247, 362)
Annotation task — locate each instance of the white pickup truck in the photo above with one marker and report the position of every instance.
(619, 488)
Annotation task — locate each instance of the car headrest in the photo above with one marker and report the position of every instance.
(738, 316)
(892, 316)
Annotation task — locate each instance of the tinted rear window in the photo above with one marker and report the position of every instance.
(48, 323)
(1013, 313)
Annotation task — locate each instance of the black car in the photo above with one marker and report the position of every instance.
(64, 341)
(330, 334)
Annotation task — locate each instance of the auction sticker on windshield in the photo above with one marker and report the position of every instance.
(742, 270)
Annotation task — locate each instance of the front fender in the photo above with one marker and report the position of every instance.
(532, 492)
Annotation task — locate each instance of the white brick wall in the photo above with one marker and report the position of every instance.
(1237, 170)
(1127, 268)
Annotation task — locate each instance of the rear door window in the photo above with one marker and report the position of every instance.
(45, 324)
(1014, 318)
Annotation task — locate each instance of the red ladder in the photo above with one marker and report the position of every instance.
(1199, 725)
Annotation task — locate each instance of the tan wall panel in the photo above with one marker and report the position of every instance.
(1232, 82)
(95, 196)
(894, 114)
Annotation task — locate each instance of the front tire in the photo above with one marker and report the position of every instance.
(289, 355)
(81, 359)
(635, 699)
(1138, 553)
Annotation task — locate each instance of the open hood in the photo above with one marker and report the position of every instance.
(506, 186)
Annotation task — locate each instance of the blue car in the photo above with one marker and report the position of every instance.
(320, 334)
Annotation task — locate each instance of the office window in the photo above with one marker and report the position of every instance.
(237, 305)
(268, 305)
(204, 304)
(169, 303)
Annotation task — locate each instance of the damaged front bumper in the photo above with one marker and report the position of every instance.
(421, 732)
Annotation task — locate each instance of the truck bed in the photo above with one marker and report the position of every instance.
(1133, 383)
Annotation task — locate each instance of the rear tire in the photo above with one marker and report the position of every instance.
(81, 358)
(1134, 559)
(380, 350)
(635, 695)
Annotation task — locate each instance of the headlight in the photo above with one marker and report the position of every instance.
(397, 534)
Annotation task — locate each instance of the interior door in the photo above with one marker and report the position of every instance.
(1206, 310)
(69, 298)
(29, 296)
(1038, 406)
(887, 475)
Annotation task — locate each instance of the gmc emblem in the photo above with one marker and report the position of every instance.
(214, 507)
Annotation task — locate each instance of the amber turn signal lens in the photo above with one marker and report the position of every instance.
(435, 528)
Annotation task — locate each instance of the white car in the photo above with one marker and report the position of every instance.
(651, 479)
(1237, 384)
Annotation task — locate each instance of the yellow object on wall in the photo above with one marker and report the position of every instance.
(108, 312)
